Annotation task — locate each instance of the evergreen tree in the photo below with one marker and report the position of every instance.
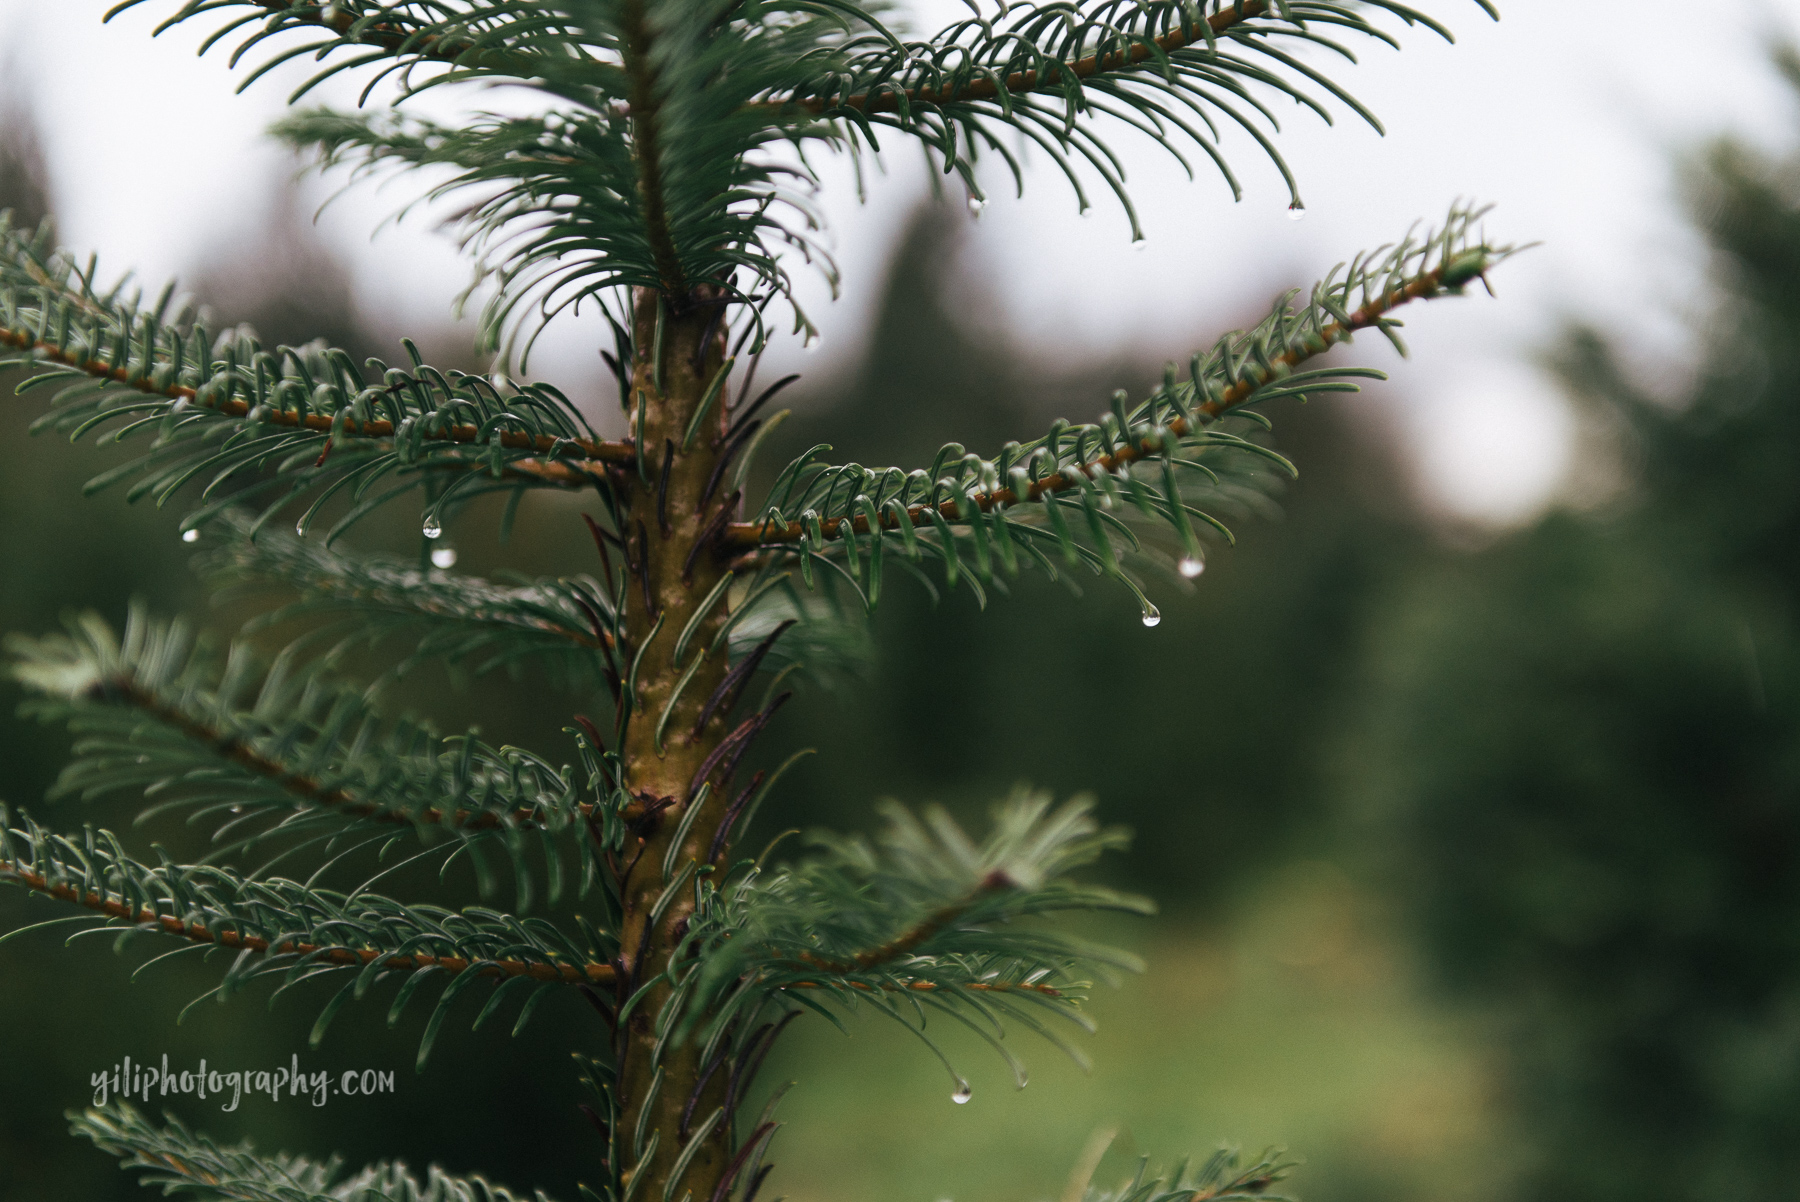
(1583, 759)
(663, 182)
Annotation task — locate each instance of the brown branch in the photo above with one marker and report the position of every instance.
(467, 55)
(339, 800)
(601, 974)
(385, 35)
(755, 534)
(589, 973)
(928, 986)
(918, 933)
(331, 588)
(557, 470)
(986, 88)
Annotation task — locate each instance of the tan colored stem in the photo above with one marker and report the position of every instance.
(672, 573)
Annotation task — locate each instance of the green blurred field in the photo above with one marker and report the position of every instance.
(1299, 1022)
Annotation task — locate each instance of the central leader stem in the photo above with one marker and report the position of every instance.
(677, 782)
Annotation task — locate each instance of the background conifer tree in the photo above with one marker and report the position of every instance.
(1580, 760)
(656, 184)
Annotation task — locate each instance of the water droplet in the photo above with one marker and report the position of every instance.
(237, 809)
(443, 557)
(1138, 245)
(976, 204)
(963, 1092)
(812, 341)
(1296, 211)
(432, 529)
(1152, 615)
(300, 528)
(1191, 566)
(190, 536)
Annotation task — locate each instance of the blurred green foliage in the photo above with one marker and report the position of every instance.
(1581, 759)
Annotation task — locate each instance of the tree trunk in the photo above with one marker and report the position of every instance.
(665, 751)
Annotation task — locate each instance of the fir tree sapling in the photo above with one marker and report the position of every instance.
(663, 181)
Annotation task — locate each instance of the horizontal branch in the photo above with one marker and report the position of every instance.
(928, 986)
(322, 588)
(556, 470)
(182, 1161)
(987, 88)
(740, 535)
(354, 29)
(591, 973)
(904, 943)
(340, 801)
(383, 35)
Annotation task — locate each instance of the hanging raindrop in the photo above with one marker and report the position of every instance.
(1191, 566)
(190, 536)
(300, 528)
(963, 1092)
(432, 529)
(1152, 615)
(812, 341)
(1296, 211)
(443, 557)
(1138, 244)
(976, 204)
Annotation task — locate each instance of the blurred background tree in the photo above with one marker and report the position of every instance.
(1580, 757)
(1557, 771)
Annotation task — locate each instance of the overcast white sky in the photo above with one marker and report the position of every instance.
(1563, 114)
